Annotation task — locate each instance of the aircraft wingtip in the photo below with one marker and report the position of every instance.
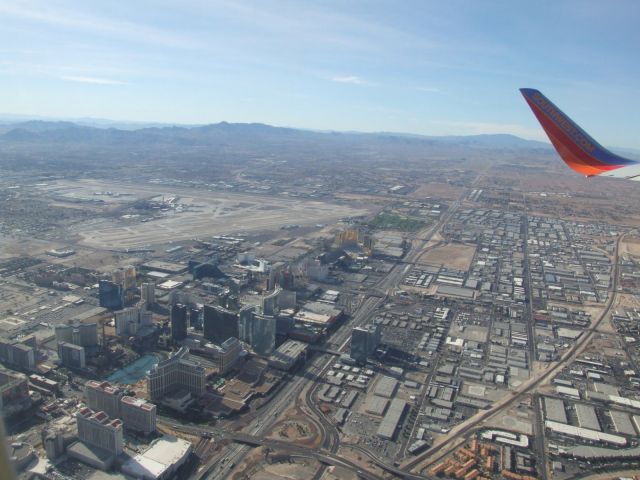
(528, 91)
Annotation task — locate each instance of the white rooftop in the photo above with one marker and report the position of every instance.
(163, 454)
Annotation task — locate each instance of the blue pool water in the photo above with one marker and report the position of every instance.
(135, 371)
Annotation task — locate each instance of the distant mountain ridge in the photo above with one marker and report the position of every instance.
(66, 132)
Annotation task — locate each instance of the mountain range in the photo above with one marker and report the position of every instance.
(223, 133)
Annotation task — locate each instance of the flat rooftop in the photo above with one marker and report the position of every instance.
(165, 267)
(164, 454)
(91, 452)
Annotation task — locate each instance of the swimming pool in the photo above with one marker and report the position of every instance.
(135, 371)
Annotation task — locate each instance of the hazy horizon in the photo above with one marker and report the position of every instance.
(420, 67)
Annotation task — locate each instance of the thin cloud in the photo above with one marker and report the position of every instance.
(94, 80)
(351, 79)
(126, 30)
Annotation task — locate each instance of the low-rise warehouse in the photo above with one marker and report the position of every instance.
(389, 424)
(585, 433)
(376, 405)
(386, 387)
(622, 422)
(554, 409)
(587, 417)
(600, 453)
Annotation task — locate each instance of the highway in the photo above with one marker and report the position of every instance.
(215, 469)
(538, 437)
(325, 457)
(538, 422)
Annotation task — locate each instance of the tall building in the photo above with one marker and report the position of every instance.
(148, 293)
(178, 317)
(14, 389)
(64, 333)
(195, 317)
(123, 319)
(286, 299)
(53, 443)
(177, 372)
(71, 355)
(270, 302)
(364, 341)
(97, 429)
(102, 396)
(138, 415)
(245, 319)
(226, 355)
(126, 277)
(133, 320)
(85, 334)
(110, 295)
(259, 331)
(82, 334)
(263, 335)
(219, 323)
(280, 275)
(18, 353)
(317, 271)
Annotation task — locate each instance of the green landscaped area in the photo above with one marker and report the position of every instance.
(393, 221)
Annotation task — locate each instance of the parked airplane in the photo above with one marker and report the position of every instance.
(581, 152)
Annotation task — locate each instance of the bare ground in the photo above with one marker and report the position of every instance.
(454, 255)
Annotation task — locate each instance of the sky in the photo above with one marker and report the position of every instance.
(425, 67)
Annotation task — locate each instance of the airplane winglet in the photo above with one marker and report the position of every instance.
(578, 150)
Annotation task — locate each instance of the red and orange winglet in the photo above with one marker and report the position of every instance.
(578, 150)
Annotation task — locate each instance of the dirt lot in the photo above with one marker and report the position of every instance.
(437, 190)
(607, 344)
(624, 300)
(631, 246)
(278, 467)
(454, 255)
(553, 190)
(296, 427)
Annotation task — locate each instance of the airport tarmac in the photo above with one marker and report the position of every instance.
(207, 213)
